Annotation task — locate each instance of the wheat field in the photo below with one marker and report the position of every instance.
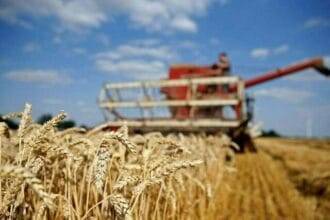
(95, 174)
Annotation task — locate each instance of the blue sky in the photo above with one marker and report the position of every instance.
(57, 54)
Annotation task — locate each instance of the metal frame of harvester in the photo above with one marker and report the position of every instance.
(194, 98)
(111, 100)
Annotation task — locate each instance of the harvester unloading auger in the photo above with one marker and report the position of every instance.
(192, 99)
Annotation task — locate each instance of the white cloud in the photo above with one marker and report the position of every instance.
(146, 42)
(136, 61)
(130, 50)
(260, 53)
(31, 47)
(79, 51)
(71, 14)
(9, 14)
(285, 94)
(47, 77)
(281, 49)
(137, 69)
(184, 23)
(152, 15)
(165, 16)
(316, 22)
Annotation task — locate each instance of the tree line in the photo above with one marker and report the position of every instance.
(65, 124)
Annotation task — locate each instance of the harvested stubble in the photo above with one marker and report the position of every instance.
(307, 163)
(75, 174)
(260, 189)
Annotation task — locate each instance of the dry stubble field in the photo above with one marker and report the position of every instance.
(306, 163)
(78, 174)
(286, 179)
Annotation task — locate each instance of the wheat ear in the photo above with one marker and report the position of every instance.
(101, 165)
(26, 120)
(35, 141)
(123, 140)
(12, 115)
(120, 204)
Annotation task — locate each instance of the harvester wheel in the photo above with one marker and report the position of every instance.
(249, 144)
(244, 141)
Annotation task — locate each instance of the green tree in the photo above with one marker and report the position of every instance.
(66, 124)
(44, 118)
(10, 123)
(270, 133)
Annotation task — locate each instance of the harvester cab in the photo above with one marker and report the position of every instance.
(192, 99)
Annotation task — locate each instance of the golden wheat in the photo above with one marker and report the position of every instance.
(79, 174)
(30, 179)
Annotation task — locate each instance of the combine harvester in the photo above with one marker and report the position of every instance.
(192, 99)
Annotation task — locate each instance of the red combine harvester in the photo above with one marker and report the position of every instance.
(193, 99)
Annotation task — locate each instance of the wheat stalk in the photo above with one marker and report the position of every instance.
(29, 178)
